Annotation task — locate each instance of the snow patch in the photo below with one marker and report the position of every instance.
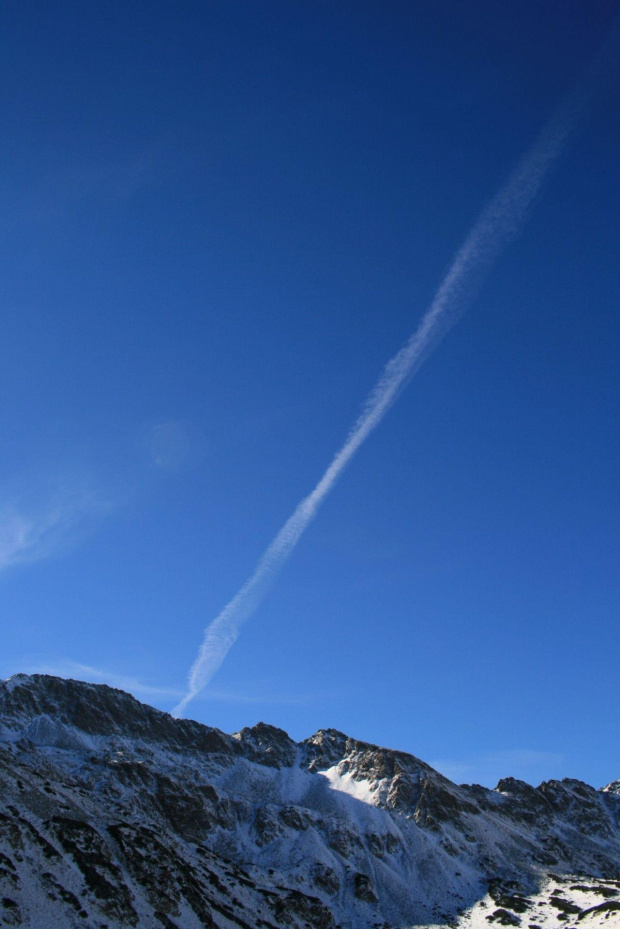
(44, 731)
(16, 680)
(347, 784)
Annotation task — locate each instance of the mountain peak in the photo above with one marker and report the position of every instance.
(267, 745)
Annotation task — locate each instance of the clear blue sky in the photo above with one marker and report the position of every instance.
(219, 221)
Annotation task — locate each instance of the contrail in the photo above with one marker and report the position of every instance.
(499, 223)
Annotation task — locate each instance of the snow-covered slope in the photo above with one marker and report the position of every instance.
(114, 814)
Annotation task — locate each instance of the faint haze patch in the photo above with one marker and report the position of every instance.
(488, 768)
(174, 445)
(41, 519)
(62, 189)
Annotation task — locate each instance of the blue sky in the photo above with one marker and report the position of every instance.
(220, 220)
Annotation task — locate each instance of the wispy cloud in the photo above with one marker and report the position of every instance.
(487, 768)
(258, 697)
(499, 223)
(254, 695)
(84, 672)
(37, 522)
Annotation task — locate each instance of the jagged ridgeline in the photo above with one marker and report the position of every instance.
(114, 814)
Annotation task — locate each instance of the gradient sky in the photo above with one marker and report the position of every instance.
(219, 221)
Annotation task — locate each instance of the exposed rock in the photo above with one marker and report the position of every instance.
(504, 918)
(364, 888)
(267, 826)
(267, 745)
(325, 878)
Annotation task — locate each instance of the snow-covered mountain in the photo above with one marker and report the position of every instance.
(114, 814)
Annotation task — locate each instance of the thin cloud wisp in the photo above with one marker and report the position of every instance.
(499, 223)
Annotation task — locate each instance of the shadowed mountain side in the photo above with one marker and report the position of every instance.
(119, 814)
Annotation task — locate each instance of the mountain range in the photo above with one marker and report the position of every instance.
(114, 814)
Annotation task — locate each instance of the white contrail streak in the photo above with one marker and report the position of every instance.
(499, 223)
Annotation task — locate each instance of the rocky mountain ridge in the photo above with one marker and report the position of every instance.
(115, 814)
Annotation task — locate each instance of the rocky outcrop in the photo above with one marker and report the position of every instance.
(55, 708)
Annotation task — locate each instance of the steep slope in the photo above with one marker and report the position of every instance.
(115, 814)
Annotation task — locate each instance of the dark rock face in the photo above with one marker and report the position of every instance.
(325, 879)
(364, 889)
(102, 876)
(115, 814)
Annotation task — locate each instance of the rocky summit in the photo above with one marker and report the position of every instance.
(114, 814)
